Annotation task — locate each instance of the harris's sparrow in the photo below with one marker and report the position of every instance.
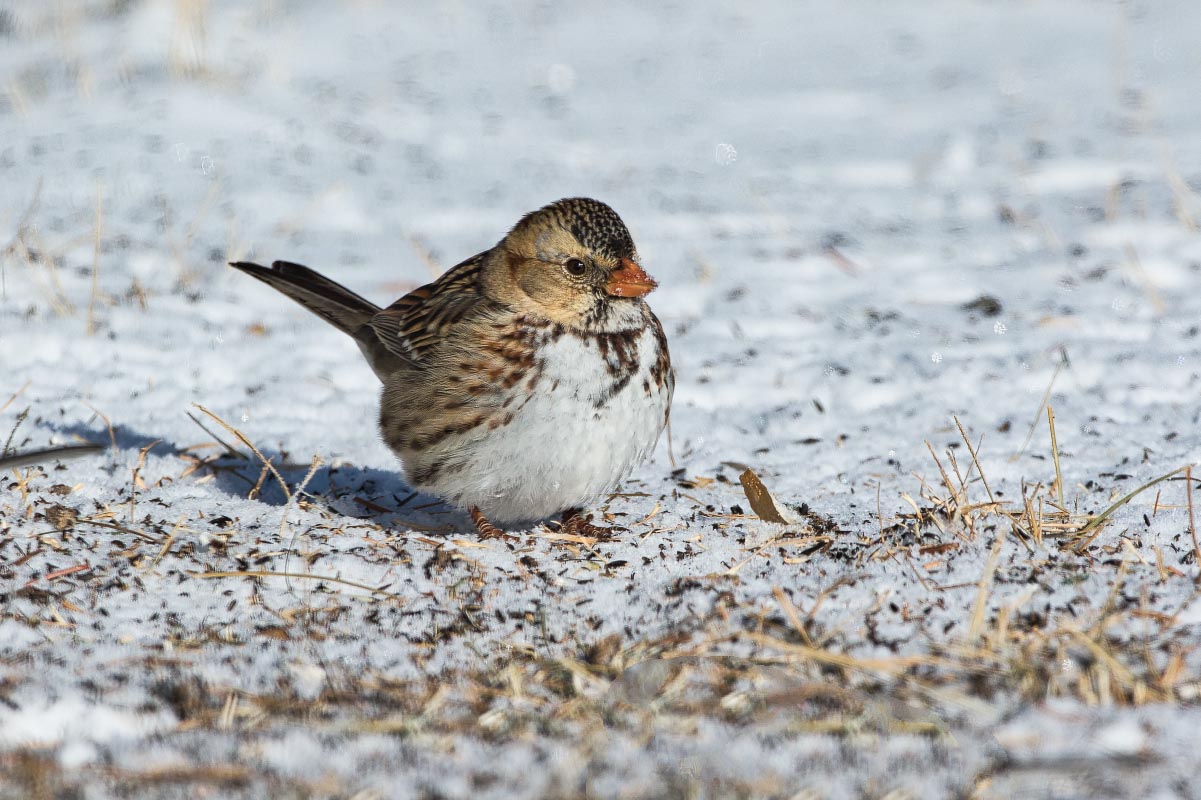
(526, 381)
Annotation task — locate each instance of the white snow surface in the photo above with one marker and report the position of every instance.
(821, 191)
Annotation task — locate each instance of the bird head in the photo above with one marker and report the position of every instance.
(572, 262)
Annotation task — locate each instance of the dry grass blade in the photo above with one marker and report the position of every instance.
(169, 541)
(1037, 414)
(985, 586)
(26, 218)
(267, 465)
(735, 569)
(229, 449)
(219, 774)
(14, 396)
(12, 434)
(1055, 456)
(1097, 521)
(108, 423)
(270, 574)
(790, 611)
(1149, 288)
(121, 528)
(16, 242)
(61, 573)
(1185, 199)
(426, 255)
(96, 233)
(946, 479)
(781, 540)
(283, 518)
(887, 666)
(975, 459)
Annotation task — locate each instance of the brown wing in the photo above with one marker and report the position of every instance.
(411, 325)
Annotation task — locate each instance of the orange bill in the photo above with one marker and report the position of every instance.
(629, 280)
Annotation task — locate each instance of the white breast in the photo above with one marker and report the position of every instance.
(573, 440)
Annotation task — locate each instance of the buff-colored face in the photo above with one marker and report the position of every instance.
(550, 270)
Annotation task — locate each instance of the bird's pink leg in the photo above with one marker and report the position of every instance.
(486, 529)
(576, 524)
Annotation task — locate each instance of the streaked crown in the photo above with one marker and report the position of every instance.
(594, 225)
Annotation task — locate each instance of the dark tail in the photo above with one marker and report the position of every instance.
(331, 301)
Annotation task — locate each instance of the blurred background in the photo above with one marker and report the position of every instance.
(786, 168)
(343, 130)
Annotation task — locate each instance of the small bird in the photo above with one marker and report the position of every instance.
(526, 381)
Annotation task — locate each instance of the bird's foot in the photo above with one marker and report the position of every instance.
(486, 529)
(576, 524)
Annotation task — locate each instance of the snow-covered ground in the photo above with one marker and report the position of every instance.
(867, 219)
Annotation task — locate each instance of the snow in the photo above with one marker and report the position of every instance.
(823, 195)
(74, 720)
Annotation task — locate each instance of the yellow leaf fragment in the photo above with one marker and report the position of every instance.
(762, 503)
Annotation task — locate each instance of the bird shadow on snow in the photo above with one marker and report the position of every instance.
(358, 492)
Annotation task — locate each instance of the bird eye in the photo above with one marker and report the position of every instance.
(575, 267)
